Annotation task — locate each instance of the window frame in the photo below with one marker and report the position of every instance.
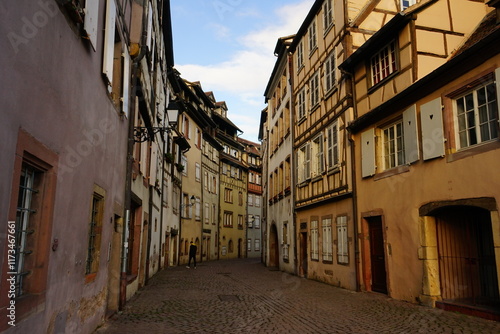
(491, 122)
(328, 16)
(378, 58)
(314, 90)
(31, 151)
(330, 70)
(314, 239)
(312, 37)
(342, 240)
(398, 140)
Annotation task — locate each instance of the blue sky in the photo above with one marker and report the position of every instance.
(228, 46)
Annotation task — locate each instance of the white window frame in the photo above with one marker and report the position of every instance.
(342, 240)
(463, 118)
(327, 249)
(313, 39)
(314, 90)
(384, 63)
(314, 240)
(318, 156)
(327, 15)
(300, 56)
(256, 222)
(257, 245)
(330, 69)
(393, 150)
(332, 134)
(304, 162)
(407, 3)
(197, 172)
(301, 104)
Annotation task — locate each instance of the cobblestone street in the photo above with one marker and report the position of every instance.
(243, 296)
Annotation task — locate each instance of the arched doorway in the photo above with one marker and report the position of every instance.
(466, 256)
(273, 247)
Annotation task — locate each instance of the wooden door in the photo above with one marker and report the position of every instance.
(377, 255)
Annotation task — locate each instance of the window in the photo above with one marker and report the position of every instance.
(250, 199)
(314, 240)
(240, 198)
(95, 230)
(197, 172)
(393, 146)
(228, 219)
(186, 127)
(257, 245)
(342, 242)
(256, 222)
(477, 115)
(240, 222)
(198, 138)
(197, 209)
(317, 156)
(228, 195)
(314, 89)
(206, 213)
(327, 239)
(330, 72)
(288, 178)
(327, 15)
(301, 104)
(29, 228)
(312, 37)
(184, 163)
(257, 201)
(383, 63)
(304, 163)
(407, 3)
(332, 145)
(186, 206)
(300, 56)
(249, 245)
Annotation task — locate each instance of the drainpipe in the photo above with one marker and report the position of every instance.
(130, 161)
(354, 184)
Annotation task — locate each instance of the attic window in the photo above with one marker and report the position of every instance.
(407, 3)
(383, 63)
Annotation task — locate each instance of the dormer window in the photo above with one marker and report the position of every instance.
(383, 63)
(407, 3)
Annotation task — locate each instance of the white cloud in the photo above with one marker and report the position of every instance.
(247, 71)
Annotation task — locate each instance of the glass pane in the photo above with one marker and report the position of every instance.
(472, 136)
(494, 130)
(485, 133)
(461, 122)
(481, 96)
(471, 121)
(460, 106)
(469, 102)
(483, 114)
(463, 139)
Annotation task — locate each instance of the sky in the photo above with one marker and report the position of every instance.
(228, 46)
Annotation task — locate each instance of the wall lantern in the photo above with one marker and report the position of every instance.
(144, 133)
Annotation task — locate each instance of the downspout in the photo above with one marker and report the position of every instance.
(296, 236)
(354, 184)
(130, 161)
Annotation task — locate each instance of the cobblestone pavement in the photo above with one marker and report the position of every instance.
(243, 296)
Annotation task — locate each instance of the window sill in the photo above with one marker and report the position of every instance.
(334, 170)
(473, 150)
(391, 172)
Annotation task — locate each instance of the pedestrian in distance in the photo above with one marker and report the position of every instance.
(192, 254)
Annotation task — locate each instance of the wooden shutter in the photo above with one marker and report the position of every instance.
(410, 135)
(126, 83)
(91, 21)
(109, 41)
(432, 129)
(368, 153)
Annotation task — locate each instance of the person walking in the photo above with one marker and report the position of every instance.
(192, 254)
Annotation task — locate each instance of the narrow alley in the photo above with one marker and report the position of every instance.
(243, 296)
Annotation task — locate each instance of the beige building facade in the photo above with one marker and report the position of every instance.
(426, 142)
